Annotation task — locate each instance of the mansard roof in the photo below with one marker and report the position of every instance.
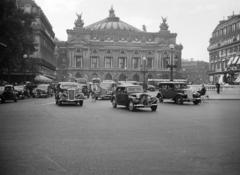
(111, 23)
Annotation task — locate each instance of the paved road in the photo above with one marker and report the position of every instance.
(37, 137)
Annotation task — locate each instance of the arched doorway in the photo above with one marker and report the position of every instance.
(149, 76)
(78, 75)
(136, 77)
(94, 75)
(108, 76)
(122, 77)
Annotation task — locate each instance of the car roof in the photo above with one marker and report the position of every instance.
(128, 85)
(8, 85)
(67, 82)
(172, 82)
(108, 81)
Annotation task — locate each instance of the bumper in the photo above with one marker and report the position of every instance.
(137, 105)
(105, 96)
(193, 99)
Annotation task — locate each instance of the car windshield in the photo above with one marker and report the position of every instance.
(8, 88)
(135, 89)
(69, 86)
(180, 86)
(173, 86)
(19, 88)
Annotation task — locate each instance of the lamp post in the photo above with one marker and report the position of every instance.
(144, 73)
(125, 68)
(171, 65)
(25, 56)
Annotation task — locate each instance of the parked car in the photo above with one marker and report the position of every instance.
(69, 92)
(151, 88)
(8, 94)
(21, 91)
(106, 89)
(42, 90)
(179, 92)
(133, 96)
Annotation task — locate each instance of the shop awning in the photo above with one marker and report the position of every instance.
(42, 78)
(237, 79)
(235, 60)
(230, 61)
(238, 62)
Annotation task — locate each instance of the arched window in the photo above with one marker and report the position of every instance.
(136, 77)
(108, 77)
(149, 76)
(78, 75)
(122, 77)
(94, 75)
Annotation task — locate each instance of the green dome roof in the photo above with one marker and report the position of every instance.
(111, 23)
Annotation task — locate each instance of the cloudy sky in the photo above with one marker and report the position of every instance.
(192, 20)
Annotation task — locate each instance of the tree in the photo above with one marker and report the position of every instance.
(16, 35)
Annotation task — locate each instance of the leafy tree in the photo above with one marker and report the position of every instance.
(16, 35)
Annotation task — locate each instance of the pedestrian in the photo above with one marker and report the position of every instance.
(218, 87)
(94, 93)
(202, 91)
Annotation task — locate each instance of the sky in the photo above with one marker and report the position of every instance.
(192, 20)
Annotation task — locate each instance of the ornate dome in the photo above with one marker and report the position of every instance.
(111, 23)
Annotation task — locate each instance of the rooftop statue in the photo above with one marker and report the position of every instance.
(144, 28)
(164, 25)
(79, 22)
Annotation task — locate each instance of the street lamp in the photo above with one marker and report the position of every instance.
(25, 56)
(144, 73)
(171, 65)
(125, 69)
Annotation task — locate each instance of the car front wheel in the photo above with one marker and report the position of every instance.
(131, 106)
(179, 100)
(80, 103)
(196, 102)
(154, 108)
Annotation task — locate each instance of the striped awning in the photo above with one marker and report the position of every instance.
(238, 62)
(42, 78)
(238, 79)
(235, 60)
(230, 61)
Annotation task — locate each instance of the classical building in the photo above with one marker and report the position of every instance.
(113, 49)
(195, 72)
(43, 60)
(224, 50)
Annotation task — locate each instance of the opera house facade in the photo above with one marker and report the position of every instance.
(111, 49)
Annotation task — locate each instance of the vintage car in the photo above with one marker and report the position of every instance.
(69, 92)
(8, 94)
(151, 88)
(21, 91)
(42, 90)
(133, 96)
(106, 89)
(179, 92)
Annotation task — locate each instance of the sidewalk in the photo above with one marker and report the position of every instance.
(223, 96)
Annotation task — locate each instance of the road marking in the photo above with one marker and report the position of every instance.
(61, 168)
(47, 103)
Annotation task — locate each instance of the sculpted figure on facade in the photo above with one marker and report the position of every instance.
(79, 22)
(164, 25)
